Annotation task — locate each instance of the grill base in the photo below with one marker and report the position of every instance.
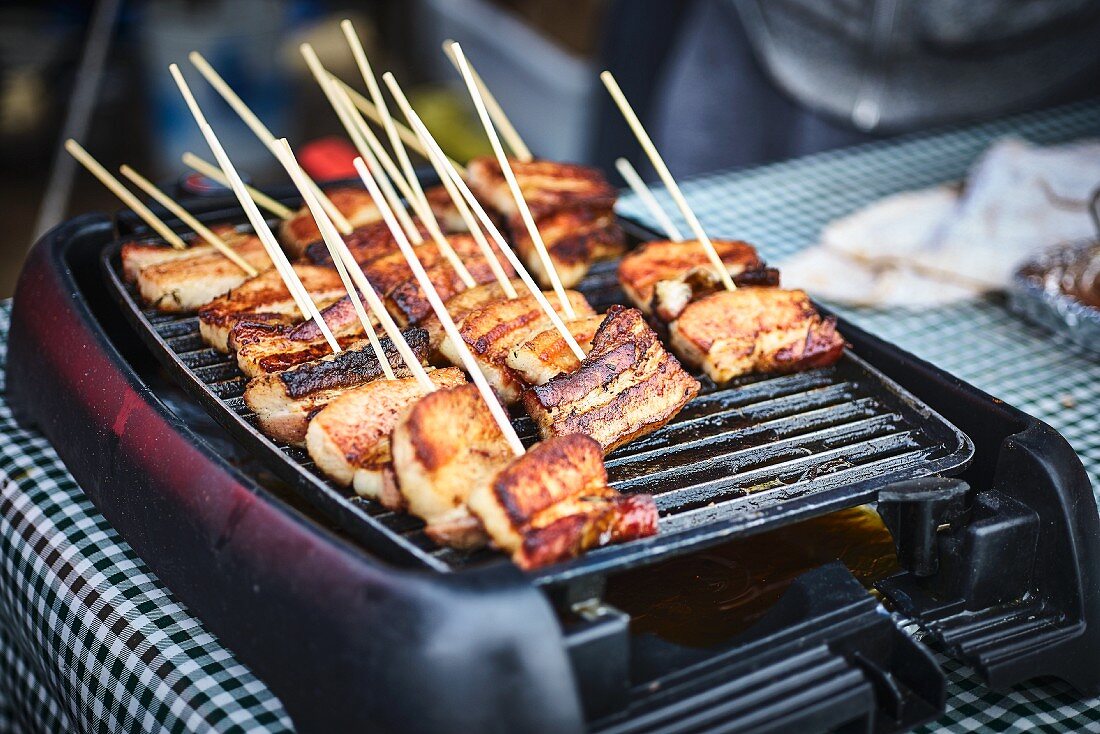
(265, 578)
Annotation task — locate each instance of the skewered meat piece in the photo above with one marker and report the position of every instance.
(546, 355)
(492, 330)
(267, 347)
(547, 186)
(264, 298)
(575, 237)
(285, 402)
(444, 209)
(732, 333)
(138, 255)
(627, 386)
(445, 445)
(553, 503)
(187, 283)
(662, 277)
(349, 438)
(300, 230)
(365, 243)
(462, 304)
(407, 302)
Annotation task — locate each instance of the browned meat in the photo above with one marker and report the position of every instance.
(265, 298)
(492, 330)
(575, 237)
(285, 402)
(366, 243)
(627, 386)
(300, 230)
(732, 333)
(445, 445)
(553, 503)
(138, 255)
(547, 186)
(461, 305)
(407, 302)
(546, 355)
(349, 438)
(186, 283)
(662, 277)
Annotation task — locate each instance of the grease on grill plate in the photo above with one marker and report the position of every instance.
(705, 598)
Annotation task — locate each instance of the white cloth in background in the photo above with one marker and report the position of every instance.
(935, 246)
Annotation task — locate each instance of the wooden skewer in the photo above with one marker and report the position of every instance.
(330, 235)
(367, 108)
(647, 198)
(513, 185)
(468, 361)
(115, 186)
(212, 172)
(260, 130)
(507, 130)
(424, 212)
(491, 228)
(380, 104)
(456, 197)
(666, 176)
(185, 216)
(290, 278)
(328, 87)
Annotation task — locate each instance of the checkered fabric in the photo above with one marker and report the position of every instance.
(90, 641)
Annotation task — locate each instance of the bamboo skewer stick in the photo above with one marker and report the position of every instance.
(666, 176)
(185, 216)
(367, 108)
(460, 203)
(115, 186)
(330, 235)
(468, 361)
(638, 186)
(260, 130)
(513, 185)
(380, 104)
(213, 173)
(290, 278)
(423, 211)
(504, 125)
(517, 265)
(328, 87)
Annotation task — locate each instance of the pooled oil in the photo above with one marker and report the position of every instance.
(705, 598)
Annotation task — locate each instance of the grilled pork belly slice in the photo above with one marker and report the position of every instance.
(301, 230)
(492, 330)
(407, 302)
(661, 277)
(546, 355)
(349, 439)
(461, 305)
(575, 237)
(266, 347)
(732, 333)
(553, 503)
(627, 386)
(265, 298)
(185, 284)
(547, 186)
(445, 445)
(284, 402)
(366, 243)
(444, 209)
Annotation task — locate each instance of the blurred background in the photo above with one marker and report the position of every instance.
(720, 83)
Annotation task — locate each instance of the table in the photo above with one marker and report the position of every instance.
(90, 640)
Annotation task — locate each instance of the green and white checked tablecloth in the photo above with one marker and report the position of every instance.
(90, 640)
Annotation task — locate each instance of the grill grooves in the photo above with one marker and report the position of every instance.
(761, 449)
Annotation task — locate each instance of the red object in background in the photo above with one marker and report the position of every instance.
(328, 158)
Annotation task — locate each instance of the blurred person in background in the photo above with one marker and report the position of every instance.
(748, 81)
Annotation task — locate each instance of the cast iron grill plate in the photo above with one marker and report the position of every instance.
(750, 454)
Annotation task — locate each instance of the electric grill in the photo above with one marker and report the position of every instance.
(353, 617)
